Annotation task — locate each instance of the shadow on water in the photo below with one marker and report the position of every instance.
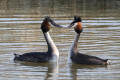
(79, 66)
(51, 69)
(78, 70)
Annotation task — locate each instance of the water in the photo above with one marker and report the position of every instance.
(20, 32)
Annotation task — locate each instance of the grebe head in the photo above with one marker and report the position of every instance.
(77, 19)
(78, 27)
(45, 26)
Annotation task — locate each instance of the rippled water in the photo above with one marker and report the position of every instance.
(20, 33)
(99, 38)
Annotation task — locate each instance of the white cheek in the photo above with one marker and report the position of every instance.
(75, 25)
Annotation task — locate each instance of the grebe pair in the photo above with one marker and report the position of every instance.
(75, 56)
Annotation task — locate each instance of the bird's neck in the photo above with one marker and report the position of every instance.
(57, 25)
(74, 45)
(52, 49)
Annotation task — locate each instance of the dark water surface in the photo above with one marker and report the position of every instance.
(20, 32)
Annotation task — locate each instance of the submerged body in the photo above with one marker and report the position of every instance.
(51, 54)
(80, 58)
(35, 57)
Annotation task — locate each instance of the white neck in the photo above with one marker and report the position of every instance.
(52, 49)
(75, 42)
(73, 48)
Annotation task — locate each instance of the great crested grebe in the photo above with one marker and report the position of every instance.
(52, 52)
(80, 58)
